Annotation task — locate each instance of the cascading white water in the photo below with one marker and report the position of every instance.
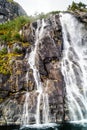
(25, 116)
(27, 78)
(32, 61)
(32, 58)
(45, 108)
(42, 97)
(74, 66)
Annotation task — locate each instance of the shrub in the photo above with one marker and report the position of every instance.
(4, 37)
(17, 36)
(10, 0)
(9, 31)
(5, 63)
(3, 51)
(77, 6)
(17, 50)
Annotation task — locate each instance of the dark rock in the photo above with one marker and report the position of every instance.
(53, 70)
(3, 94)
(10, 10)
(55, 91)
(34, 24)
(48, 49)
(42, 68)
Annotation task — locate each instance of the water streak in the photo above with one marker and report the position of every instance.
(25, 116)
(74, 66)
(42, 97)
(33, 55)
(45, 108)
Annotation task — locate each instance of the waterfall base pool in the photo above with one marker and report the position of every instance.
(66, 126)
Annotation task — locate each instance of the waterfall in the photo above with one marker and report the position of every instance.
(74, 66)
(42, 97)
(25, 116)
(34, 54)
(45, 108)
(32, 61)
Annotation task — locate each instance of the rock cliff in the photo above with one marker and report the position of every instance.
(9, 10)
(16, 75)
(13, 86)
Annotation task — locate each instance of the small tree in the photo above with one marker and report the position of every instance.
(73, 6)
(79, 6)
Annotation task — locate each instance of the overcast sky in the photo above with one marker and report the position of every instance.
(33, 6)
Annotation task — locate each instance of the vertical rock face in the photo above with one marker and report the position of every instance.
(48, 55)
(10, 10)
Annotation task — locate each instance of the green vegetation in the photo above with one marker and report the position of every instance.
(9, 31)
(17, 50)
(6, 62)
(54, 12)
(10, 0)
(3, 51)
(9, 34)
(77, 6)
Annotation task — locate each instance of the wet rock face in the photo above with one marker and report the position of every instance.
(48, 49)
(21, 80)
(27, 33)
(80, 15)
(10, 10)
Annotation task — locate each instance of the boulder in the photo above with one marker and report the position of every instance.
(10, 10)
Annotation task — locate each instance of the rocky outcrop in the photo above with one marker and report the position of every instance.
(10, 10)
(14, 86)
